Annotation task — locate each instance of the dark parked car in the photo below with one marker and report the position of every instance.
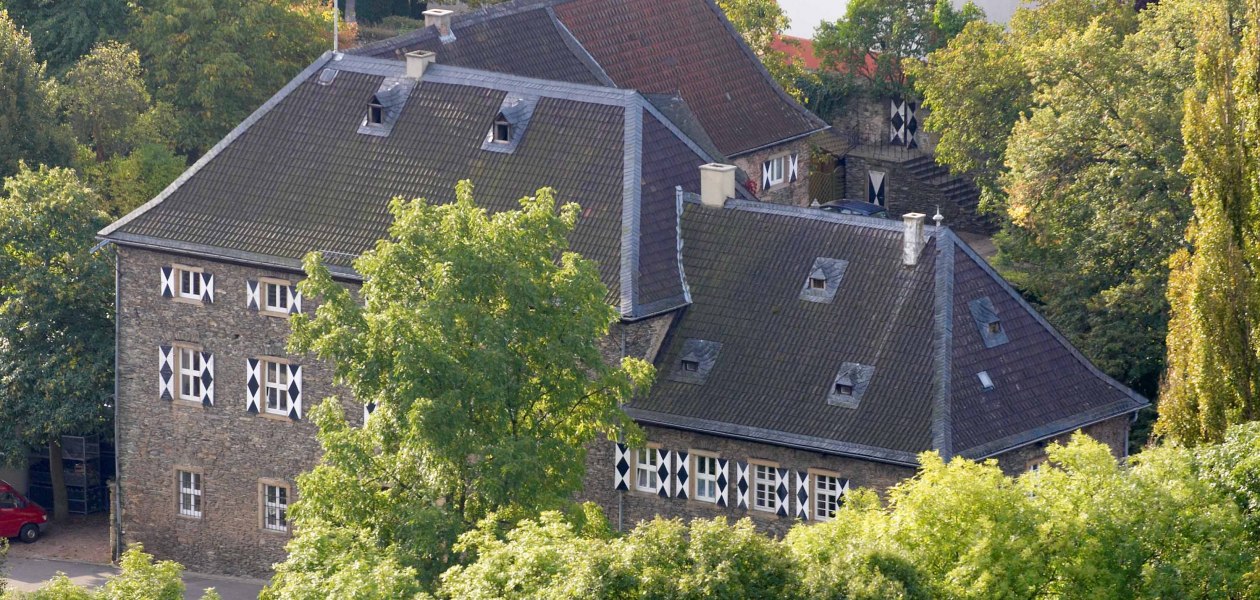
(855, 207)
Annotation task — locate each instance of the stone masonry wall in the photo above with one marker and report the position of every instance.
(626, 509)
(905, 193)
(232, 448)
(793, 193)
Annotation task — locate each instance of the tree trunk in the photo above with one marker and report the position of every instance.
(61, 505)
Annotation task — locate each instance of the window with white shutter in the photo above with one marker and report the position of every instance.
(764, 486)
(191, 374)
(829, 491)
(645, 471)
(187, 283)
(275, 297)
(705, 476)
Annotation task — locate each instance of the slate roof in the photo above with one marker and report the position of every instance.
(297, 176)
(684, 47)
(780, 355)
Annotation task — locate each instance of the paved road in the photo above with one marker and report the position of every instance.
(28, 574)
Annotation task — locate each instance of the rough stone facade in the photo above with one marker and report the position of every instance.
(234, 450)
(906, 190)
(793, 193)
(625, 509)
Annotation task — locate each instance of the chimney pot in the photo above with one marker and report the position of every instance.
(440, 18)
(717, 183)
(418, 61)
(914, 240)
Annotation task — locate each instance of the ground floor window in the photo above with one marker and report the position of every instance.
(189, 494)
(765, 480)
(706, 478)
(827, 496)
(275, 507)
(646, 466)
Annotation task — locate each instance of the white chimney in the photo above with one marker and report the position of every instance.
(440, 18)
(914, 240)
(717, 183)
(418, 61)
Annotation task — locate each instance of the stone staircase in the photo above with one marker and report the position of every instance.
(958, 190)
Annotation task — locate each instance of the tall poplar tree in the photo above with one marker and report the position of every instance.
(1213, 377)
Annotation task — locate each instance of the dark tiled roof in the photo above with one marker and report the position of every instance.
(521, 40)
(297, 176)
(684, 47)
(745, 266)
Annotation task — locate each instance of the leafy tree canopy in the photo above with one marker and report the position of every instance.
(476, 337)
(28, 126)
(875, 37)
(1213, 378)
(64, 30)
(104, 100)
(215, 61)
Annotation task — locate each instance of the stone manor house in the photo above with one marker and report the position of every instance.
(800, 353)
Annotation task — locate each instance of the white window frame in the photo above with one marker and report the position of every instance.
(188, 363)
(649, 468)
(193, 276)
(275, 506)
(280, 386)
(778, 164)
(765, 489)
(827, 495)
(190, 489)
(281, 291)
(704, 480)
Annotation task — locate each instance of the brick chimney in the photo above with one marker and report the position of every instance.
(912, 247)
(418, 61)
(717, 183)
(440, 18)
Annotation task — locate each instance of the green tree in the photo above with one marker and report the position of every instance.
(28, 124)
(761, 23)
(125, 182)
(56, 317)
(875, 38)
(476, 337)
(64, 30)
(215, 61)
(107, 106)
(139, 578)
(1070, 122)
(1213, 378)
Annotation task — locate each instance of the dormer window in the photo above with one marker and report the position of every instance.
(850, 385)
(691, 365)
(695, 360)
(844, 389)
(995, 327)
(385, 106)
(823, 280)
(988, 323)
(817, 283)
(502, 130)
(376, 112)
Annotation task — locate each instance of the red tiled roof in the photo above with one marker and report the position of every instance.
(799, 51)
(687, 47)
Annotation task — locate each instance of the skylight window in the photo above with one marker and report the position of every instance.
(985, 381)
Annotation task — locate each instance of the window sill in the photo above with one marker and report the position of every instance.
(188, 403)
(183, 300)
(712, 504)
(187, 517)
(274, 314)
(275, 532)
(274, 417)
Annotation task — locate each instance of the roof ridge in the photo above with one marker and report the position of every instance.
(943, 332)
(222, 144)
(814, 214)
(482, 14)
(1138, 400)
(551, 88)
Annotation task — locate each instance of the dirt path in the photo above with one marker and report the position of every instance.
(80, 538)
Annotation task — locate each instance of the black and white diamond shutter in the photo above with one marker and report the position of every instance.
(897, 122)
(912, 126)
(295, 392)
(253, 384)
(253, 298)
(680, 476)
(792, 167)
(765, 175)
(295, 300)
(207, 379)
(664, 472)
(621, 467)
(802, 495)
(721, 482)
(875, 187)
(168, 282)
(741, 484)
(207, 287)
(166, 372)
(781, 491)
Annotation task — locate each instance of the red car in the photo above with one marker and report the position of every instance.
(20, 518)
